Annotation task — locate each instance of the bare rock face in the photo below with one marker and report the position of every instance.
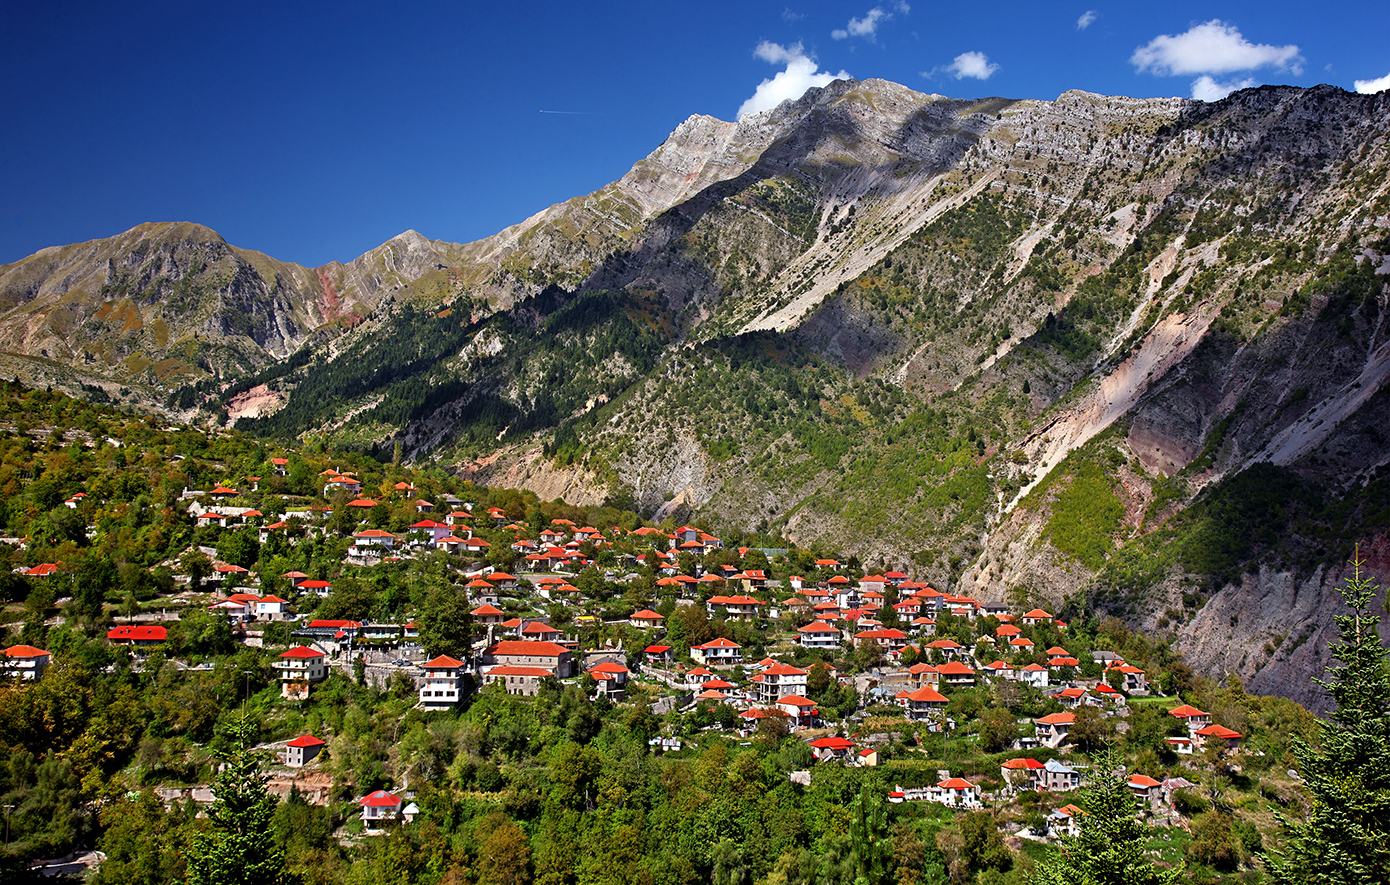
(531, 470)
(1274, 629)
(1165, 293)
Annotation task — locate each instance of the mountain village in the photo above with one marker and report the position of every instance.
(905, 648)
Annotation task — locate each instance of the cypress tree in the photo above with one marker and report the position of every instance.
(1346, 836)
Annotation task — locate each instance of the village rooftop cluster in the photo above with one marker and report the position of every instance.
(903, 647)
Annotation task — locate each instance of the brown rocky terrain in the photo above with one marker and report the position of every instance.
(1127, 353)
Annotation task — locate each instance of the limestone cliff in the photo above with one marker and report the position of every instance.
(1128, 353)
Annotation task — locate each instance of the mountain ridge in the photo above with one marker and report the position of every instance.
(1026, 347)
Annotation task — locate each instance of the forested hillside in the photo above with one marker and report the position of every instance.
(1129, 350)
(115, 747)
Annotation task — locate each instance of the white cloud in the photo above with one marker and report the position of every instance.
(800, 74)
(776, 54)
(862, 27)
(789, 16)
(867, 27)
(1087, 19)
(1206, 88)
(972, 64)
(1212, 47)
(1371, 87)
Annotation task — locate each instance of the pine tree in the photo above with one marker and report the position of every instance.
(872, 849)
(240, 848)
(1346, 836)
(1109, 846)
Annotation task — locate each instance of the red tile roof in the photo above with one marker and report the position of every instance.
(302, 651)
(1186, 711)
(881, 634)
(927, 694)
(380, 799)
(139, 634)
(23, 651)
(719, 643)
(609, 667)
(525, 647)
(954, 668)
(1023, 764)
(443, 662)
(783, 670)
(1219, 731)
(759, 713)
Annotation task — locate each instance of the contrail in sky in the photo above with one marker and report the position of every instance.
(577, 113)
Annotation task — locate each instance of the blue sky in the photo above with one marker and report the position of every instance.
(314, 132)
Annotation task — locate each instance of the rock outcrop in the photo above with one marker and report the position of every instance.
(1004, 343)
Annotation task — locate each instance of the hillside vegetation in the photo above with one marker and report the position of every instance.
(113, 747)
(1034, 349)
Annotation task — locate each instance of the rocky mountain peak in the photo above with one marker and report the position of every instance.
(1027, 347)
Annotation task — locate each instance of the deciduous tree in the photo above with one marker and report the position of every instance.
(504, 854)
(446, 626)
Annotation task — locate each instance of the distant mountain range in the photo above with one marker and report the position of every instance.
(1131, 350)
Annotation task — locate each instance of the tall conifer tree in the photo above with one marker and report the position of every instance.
(1346, 836)
(240, 848)
(1109, 848)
